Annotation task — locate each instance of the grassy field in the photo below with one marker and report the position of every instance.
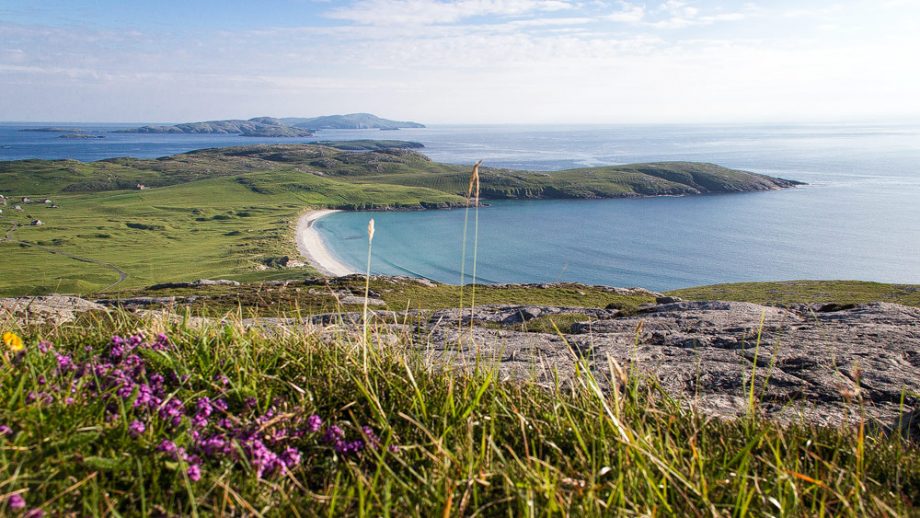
(219, 227)
(807, 292)
(217, 420)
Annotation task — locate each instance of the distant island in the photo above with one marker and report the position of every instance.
(279, 127)
(53, 130)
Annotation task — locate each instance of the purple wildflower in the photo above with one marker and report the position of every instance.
(194, 473)
(64, 362)
(172, 410)
(116, 352)
(204, 406)
(263, 459)
(290, 457)
(314, 423)
(168, 447)
(162, 342)
(34, 513)
(16, 502)
(345, 447)
(333, 434)
(221, 405)
(250, 402)
(372, 438)
(44, 346)
(5, 430)
(199, 420)
(136, 428)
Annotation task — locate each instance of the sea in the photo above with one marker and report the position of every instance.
(857, 218)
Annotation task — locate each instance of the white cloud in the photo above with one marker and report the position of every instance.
(628, 13)
(428, 12)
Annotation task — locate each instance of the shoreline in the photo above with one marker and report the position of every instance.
(311, 247)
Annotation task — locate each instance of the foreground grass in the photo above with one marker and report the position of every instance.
(436, 442)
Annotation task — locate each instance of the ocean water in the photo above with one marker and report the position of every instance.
(859, 217)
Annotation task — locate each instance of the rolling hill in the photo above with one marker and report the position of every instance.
(230, 212)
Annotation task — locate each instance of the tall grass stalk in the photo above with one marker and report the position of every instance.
(367, 289)
(475, 244)
(751, 400)
(474, 183)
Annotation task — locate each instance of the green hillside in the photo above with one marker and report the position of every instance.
(230, 212)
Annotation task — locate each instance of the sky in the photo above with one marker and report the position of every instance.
(466, 61)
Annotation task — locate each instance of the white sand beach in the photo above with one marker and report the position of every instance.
(311, 247)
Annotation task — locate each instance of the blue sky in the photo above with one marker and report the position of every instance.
(468, 61)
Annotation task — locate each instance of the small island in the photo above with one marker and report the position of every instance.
(80, 136)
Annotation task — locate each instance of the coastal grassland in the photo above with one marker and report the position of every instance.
(308, 294)
(319, 295)
(409, 439)
(806, 292)
(224, 226)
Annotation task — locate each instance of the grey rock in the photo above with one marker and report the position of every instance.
(194, 284)
(823, 367)
(359, 300)
(51, 309)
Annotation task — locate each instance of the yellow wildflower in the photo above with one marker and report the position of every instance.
(11, 340)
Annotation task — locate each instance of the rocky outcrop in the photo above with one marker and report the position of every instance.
(52, 309)
(823, 367)
(194, 284)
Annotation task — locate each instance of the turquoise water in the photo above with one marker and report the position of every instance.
(859, 217)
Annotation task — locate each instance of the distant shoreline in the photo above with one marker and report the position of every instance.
(313, 249)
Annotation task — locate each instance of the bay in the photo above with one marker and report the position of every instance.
(859, 217)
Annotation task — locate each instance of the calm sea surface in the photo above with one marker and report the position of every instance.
(859, 217)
